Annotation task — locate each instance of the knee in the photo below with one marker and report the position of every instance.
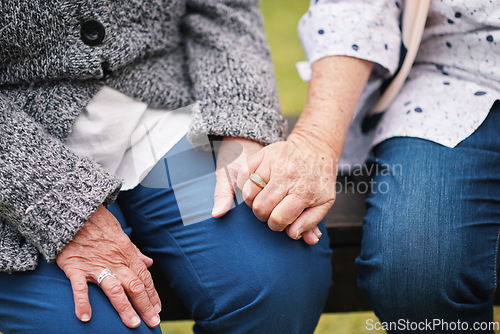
(285, 289)
(424, 279)
(296, 285)
(390, 281)
(271, 299)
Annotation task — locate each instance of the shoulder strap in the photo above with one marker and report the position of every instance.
(413, 24)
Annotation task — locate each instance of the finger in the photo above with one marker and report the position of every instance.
(267, 199)
(248, 166)
(145, 276)
(112, 288)
(249, 192)
(80, 289)
(285, 213)
(145, 259)
(317, 232)
(310, 237)
(308, 220)
(136, 292)
(224, 192)
(250, 189)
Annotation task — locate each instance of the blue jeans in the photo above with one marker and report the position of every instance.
(431, 242)
(233, 273)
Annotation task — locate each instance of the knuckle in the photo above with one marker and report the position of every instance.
(79, 286)
(80, 303)
(135, 286)
(116, 290)
(277, 223)
(147, 308)
(129, 247)
(145, 275)
(259, 209)
(307, 191)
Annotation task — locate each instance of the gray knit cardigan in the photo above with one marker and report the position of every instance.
(167, 53)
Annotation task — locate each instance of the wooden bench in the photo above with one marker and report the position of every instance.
(344, 224)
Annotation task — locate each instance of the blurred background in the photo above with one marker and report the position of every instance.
(281, 18)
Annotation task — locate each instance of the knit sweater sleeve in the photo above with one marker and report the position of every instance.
(231, 71)
(46, 192)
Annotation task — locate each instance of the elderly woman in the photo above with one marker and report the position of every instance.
(98, 94)
(430, 239)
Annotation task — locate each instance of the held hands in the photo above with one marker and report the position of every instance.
(100, 244)
(300, 186)
(300, 172)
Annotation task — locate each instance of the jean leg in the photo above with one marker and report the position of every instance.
(430, 244)
(233, 273)
(41, 301)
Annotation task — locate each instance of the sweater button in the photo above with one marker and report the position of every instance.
(92, 32)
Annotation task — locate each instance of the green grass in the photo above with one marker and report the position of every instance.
(349, 323)
(281, 18)
(343, 323)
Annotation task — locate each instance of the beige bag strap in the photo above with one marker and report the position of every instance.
(413, 24)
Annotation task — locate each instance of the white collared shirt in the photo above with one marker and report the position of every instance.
(125, 136)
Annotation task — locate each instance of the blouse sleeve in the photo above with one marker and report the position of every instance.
(365, 29)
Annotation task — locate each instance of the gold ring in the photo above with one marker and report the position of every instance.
(257, 180)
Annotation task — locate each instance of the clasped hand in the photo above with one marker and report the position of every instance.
(300, 186)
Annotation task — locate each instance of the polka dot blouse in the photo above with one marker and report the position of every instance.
(455, 79)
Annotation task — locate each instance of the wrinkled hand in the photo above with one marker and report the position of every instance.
(300, 186)
(99, 244)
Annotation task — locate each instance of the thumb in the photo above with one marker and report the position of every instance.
(224, 192)
(145, 259)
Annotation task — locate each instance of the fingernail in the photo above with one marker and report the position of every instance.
(155, 321)
(157, 308)
(85, 318)
(318, 233)
(136, 321)
(315, 239)
(299, 235)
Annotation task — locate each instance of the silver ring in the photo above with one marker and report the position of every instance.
(257, 180)
(104, 273)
